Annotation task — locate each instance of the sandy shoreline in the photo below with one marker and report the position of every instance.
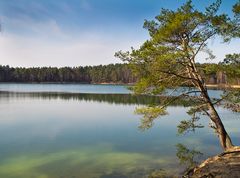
(223, 86)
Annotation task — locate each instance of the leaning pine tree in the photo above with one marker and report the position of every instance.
(168, 61)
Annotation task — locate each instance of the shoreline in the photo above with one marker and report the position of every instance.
(222, 86)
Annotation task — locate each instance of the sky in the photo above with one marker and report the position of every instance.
(36, 33)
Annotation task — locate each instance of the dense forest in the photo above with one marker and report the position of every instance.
(112, 73)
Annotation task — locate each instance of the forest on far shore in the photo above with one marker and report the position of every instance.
(112, 73)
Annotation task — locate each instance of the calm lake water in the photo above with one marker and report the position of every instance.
(66, 88)
(91, 131)
(81, 88)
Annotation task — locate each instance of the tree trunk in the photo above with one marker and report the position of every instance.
(198, 82)
(224, 138)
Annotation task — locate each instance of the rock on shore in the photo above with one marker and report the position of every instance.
(225, 165)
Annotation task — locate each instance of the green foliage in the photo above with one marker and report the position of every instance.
(167, 60)
(231, 67)
(232, 100)
(187, 157)
(232, 59)
(176, 37)
(189, 125)
(149, 115)
(112, 73)
(211, 69)
(236, 8)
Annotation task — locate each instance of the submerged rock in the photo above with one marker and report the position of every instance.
(225, 165)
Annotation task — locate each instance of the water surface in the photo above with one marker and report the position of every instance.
(72, 135)
(67, 88)
(84, 88)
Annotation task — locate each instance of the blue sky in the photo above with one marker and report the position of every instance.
(81, 32)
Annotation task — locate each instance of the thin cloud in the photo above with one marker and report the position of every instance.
(27, 27)
(82, 51)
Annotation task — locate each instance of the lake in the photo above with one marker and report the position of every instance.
(91, 131)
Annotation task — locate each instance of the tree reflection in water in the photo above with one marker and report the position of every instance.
(186, 156)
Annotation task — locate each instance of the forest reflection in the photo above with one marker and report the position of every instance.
(187, 157)
(108, 98)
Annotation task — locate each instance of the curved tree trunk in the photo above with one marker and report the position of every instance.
(199, 83)
(224, 138)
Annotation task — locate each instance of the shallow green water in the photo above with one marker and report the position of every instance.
(63, 135)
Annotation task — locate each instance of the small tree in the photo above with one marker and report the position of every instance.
(168, 60)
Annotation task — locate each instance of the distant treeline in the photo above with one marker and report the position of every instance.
(112, 73)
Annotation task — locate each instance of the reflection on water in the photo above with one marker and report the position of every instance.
(85, 88)
(109, 98)
(70, 88)
(53, 135)
(188, 157)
